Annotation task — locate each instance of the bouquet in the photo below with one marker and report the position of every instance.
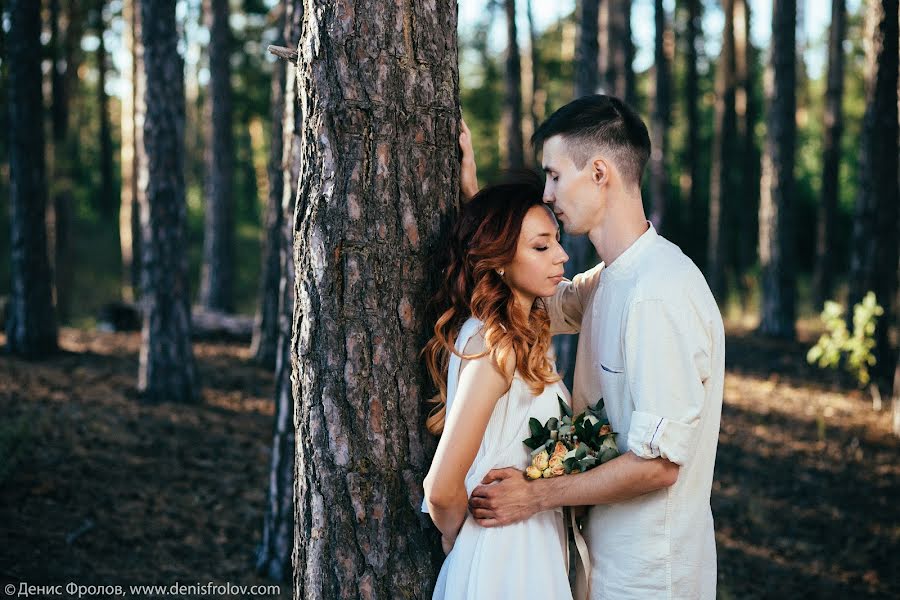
(561, 446)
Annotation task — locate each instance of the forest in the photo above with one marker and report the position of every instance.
(219, 221)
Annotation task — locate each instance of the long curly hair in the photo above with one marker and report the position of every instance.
(484, 238)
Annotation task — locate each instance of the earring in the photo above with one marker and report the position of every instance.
(500, 272)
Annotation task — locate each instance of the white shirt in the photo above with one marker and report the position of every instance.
(652, 345)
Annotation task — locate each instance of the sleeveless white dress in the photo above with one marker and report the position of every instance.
(520, 561)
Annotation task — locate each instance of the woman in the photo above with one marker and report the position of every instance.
(489, 360)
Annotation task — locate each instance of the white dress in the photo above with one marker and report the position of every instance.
(519, 561)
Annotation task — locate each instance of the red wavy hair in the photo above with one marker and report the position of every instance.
(485, 237)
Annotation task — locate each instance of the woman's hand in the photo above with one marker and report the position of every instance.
(468, 178)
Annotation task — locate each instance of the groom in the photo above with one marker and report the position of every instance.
(653, 346)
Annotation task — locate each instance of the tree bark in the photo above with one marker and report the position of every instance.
(265, 328)
(723, 164)
(876, 220)
(536, 105)
(694, 227)
(823, 278)
(274, 555)
(132, 157)
(107, 203)
(167, 371)
(31, 321)
(217, 281)
(372, 209)
(776, 202)
(513, 155)
(659, 124)
(587, 73)
(617, 50)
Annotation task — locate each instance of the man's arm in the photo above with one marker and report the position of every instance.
(507, 497)
(566, 307)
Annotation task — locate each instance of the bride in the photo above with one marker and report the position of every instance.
(488, 358)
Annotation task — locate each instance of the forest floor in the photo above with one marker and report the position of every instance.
(98, 488)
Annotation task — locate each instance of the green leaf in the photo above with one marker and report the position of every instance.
(581, 451)
(535, 427)
(551, 424)
(534, 442)
(564, 409)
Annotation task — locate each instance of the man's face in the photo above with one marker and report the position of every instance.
(572, 192)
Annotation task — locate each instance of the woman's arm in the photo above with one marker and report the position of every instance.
(468, 178)
(480, 385)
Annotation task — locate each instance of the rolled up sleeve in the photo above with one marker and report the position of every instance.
(566, 307)
(667, 361)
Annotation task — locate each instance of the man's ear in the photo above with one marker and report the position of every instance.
(600, 170)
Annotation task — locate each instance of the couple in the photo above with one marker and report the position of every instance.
(651, 344)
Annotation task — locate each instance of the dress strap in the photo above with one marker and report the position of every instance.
(468, 329)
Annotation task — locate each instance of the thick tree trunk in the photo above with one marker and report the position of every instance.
(217, 281)
(167, 371)
(694, 227)
(274, 555)
(876, 220)
(107, 201)
(513, 154)
(723, 164)
(265, 328)
(31, 320)
(776, 202)
(587, 67)
(616, 50)
(659, 125)
(372, 209)
(823, 279)
(132, 157)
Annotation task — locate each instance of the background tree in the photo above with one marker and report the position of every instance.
(31, 320)
(216, 286)
(167, 371)
(371, 211)
(586, 51)
(876, 218)
(107, 200)
(274, 555)
(721, 187)
(512, 143)
(694, 225)
(663, 49)
(132, 158)
(775, 224)
(617, 50)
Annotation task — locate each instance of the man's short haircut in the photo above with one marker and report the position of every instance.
(600, 124)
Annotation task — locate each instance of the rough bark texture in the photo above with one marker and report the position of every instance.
(823, 279)
(723, 164)
(31, 320)
(167, 371)
(776, 202)
(265, 328)
(512, 149)
(695, 227)
(664, 48)
(274, 556)
(617, 50)
(217, 280)
(587, 73)
(378, 186)
(132, 152)
(107, 200)
(876, 219)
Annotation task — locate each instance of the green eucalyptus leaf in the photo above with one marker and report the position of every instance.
(535, 427)
(564, 409)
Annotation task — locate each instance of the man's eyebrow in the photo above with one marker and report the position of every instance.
(547, 169)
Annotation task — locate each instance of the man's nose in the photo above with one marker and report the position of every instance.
(547, 197)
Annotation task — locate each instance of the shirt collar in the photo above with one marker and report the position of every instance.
(624, 264)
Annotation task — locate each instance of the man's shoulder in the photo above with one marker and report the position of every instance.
(667, 273)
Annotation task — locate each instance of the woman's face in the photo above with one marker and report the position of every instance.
(537, 266)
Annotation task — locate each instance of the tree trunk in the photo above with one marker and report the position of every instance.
(265, 329)
(873, 259)
(31, 320)
(587, 74)
(107, 201)
(694, 227)
(273, 558)
(744, 222)
(616, 50)
(217, 281)
(776, 202)
(167, 371)
(659, 126)
(823, 279)
(538, 97)
(132, 152)
(372, 209)
(722, 168)
(513, 153)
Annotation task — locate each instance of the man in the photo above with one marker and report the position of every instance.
(652, 345)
